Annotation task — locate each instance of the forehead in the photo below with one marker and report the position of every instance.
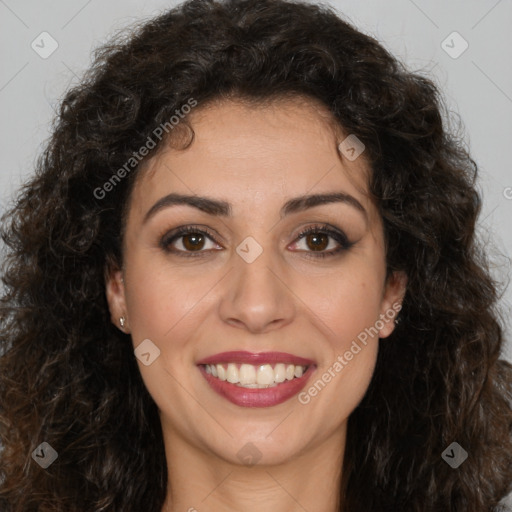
(255, 155)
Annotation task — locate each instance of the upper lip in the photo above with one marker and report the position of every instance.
(253, 358)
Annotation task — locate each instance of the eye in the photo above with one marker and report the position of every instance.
(187, 240)
(316, 240)
(192, 241)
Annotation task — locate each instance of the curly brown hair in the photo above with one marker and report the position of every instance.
(70, 378)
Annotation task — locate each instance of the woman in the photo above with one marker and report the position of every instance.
(245, 277)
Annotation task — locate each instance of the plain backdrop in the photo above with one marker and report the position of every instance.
(464, 45)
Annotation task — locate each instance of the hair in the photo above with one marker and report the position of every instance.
(69, 377)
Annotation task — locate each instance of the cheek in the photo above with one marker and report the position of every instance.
(347, 305)
(349, 309)
(159, 299)
(165, 311)
(349, 350)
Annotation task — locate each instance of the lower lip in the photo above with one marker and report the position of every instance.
(265, 397)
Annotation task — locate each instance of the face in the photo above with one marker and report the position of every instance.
(265, 284)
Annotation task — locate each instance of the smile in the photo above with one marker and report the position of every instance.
(255, 377)
(256, 380)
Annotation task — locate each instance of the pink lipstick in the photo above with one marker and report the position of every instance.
(260, 379)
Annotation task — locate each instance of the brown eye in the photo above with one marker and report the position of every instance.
(317, 241)
(193, 241)
(189, 241)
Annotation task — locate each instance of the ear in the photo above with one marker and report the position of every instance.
(396, 286)
(115, 292)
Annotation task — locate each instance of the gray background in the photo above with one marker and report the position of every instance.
(477, 84)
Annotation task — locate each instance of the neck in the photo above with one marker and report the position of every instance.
(200, 481)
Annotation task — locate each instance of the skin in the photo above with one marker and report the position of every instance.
(256, 158)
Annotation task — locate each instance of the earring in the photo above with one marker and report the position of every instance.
(122, 321)
(397, 320)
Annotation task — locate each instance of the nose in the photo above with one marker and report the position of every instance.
(257, 296)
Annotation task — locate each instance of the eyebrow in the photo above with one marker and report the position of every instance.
(223, 208)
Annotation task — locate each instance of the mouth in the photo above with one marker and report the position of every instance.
(251, 376)
(256, 380)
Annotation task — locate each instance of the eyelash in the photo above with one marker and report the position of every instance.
(338, 236)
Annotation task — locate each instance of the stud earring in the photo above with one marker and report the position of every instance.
(122, 321)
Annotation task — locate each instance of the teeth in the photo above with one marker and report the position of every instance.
(265, 375)
(280, 373)
(221, 372)
(247, 374)
(250, 376)
(232, 374)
